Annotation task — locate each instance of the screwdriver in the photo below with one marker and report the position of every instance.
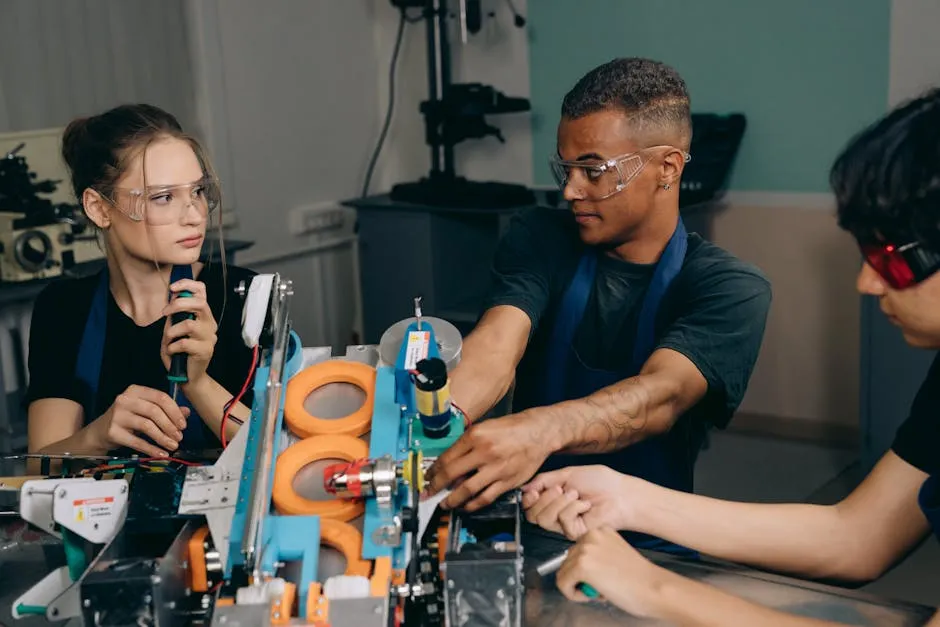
(552, 565)
(178, 362)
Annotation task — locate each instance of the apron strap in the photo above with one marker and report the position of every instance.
(667, 269)
(91, 348)
(570, 313)
(91, 354)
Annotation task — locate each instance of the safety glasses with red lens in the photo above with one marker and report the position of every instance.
(901, 266)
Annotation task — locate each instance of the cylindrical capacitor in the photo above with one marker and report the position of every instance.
(432, 397)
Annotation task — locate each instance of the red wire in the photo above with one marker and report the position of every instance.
(238, 398)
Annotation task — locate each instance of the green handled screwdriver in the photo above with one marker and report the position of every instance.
(550, 566)
(178, 362)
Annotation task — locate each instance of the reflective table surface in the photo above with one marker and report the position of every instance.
(545, 605)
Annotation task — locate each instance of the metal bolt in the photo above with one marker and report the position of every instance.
(86, 603)
(277, 615)
(62, 494)
(147, 598)
(511, 581)
(500, 594)
(171, 605)
(155, 579)
(450, 584)
(96, 525)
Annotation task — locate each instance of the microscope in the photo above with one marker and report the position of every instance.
(455, 112)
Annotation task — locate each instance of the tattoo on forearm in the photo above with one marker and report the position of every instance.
(609, 420)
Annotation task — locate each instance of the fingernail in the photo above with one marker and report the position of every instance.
(178, 436)
(164, 454)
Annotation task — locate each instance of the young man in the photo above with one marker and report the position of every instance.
(634, 336)
(887, 186)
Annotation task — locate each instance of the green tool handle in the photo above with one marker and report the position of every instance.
(178, 362)
(588, 590)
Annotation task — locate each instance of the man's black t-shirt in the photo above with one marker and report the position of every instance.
(131, 352)
(714, 312)
(917, 440)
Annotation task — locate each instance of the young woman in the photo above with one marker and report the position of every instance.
(100, 347)
(887, 185)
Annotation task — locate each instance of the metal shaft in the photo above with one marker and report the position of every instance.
(260, 497)
(551, 565)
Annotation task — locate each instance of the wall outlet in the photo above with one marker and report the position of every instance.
(320, 218)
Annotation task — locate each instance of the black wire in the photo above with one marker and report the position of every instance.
(391, 102)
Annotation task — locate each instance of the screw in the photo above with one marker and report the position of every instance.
(147, 598)
(511, 581)
(417, 442)
(225, 499)
(450, 584)
(155, 579)
(62, 494)
(96, 525)
(277, 615)
(171, 605)
(184, 565)
(55, 611)
(319, 612)
(86, 603)
(500, 594)
(123, 489)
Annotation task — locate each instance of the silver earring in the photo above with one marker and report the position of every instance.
(666, 186)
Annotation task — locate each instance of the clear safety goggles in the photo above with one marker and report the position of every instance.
(165, 204)
(597, 180)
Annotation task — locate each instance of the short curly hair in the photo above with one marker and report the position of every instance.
(650, 92)
(887, 179)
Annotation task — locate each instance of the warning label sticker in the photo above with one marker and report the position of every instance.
(417, 348)
(87, 509)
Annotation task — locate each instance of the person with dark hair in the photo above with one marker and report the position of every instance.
(627, 337)
(100, 347)
(887, 188)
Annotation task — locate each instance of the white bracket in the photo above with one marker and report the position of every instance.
(255, 310)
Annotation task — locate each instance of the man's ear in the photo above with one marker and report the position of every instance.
(673, 164)
(96, 208)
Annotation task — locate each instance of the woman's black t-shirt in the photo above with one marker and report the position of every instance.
(131, 352)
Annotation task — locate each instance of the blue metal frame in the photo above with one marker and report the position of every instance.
(287, 538)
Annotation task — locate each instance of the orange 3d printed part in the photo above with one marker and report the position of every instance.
(301, 422)
(291, 461)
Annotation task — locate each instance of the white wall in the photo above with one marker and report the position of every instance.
(498, 55)
(291, 98)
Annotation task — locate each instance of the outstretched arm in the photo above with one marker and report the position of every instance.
(489, 358)
(856, 540)
(628, 411)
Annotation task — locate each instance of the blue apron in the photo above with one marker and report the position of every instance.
(929, 501)
(91, 353)
(567, 378)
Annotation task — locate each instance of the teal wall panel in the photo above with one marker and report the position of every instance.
(808, 74)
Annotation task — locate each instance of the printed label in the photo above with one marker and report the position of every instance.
(86, 509)
(417, 349)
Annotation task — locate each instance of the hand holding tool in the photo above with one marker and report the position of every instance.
(552, 565)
